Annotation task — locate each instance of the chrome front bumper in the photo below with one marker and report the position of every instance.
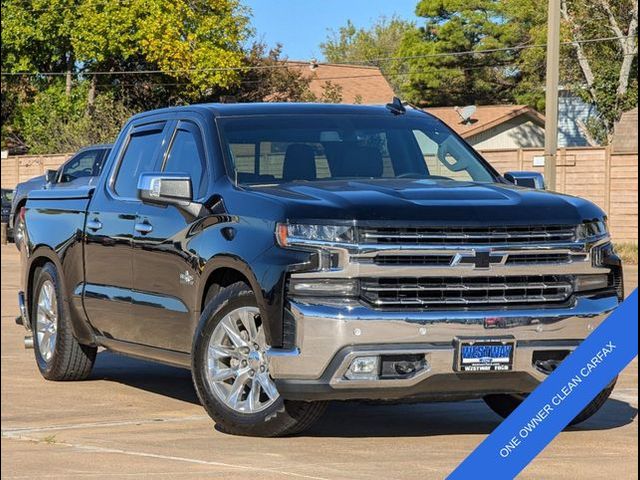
(328, 337)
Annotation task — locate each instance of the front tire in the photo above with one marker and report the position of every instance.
(231, 372)
(59, 356)
(18, 230)
(504, 404)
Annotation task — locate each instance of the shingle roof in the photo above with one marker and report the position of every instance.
(357, 82)
(484, 118)
(625, 134)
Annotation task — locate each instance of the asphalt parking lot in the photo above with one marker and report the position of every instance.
(135, 419)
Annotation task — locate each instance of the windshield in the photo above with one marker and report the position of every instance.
(309, 148)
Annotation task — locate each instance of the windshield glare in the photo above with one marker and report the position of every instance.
(310, 148)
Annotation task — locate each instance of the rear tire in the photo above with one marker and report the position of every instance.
(58, 354)
(504, 404)
(231, 375)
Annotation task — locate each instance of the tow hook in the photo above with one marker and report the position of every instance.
(28, 342)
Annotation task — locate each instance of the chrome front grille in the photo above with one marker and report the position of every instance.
(432, 260)
(543, 258)
(497, 235)
(427, 260)
(444, 292)
(452, 268)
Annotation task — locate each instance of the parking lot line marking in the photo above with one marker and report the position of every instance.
(117, 423)
(96, 449)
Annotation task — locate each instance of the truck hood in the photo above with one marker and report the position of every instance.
(445, 202)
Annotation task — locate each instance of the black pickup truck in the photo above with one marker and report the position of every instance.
(292, 254)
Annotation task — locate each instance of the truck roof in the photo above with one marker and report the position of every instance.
(241, 109)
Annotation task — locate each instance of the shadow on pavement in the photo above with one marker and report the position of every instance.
(351, 419)
(149, 376)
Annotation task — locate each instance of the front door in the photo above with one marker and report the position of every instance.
(165, 272)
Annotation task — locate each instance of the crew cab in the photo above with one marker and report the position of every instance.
(292, 254)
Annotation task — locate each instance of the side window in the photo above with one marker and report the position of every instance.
(186, 155)
(139, 157)
(82, 165)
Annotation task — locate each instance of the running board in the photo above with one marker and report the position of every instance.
(145, 352)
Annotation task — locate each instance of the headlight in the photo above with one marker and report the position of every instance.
(323, 287)
(289, 234)
(589, 230)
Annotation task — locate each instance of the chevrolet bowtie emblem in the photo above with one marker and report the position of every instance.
(479, 259)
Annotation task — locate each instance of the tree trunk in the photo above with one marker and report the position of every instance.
(583, 61)
(629, 50)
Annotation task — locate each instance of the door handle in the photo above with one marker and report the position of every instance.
(144, 227)
(94, 224)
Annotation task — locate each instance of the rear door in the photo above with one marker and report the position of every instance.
(165, 271)
(109, 233)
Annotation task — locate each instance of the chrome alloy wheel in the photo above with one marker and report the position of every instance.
(237, 364)
(18, 232)
(47, 320)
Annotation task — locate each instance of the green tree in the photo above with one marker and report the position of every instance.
(58, 123)
(196, 42)
(369, 46)
(266, 78)
(433, 71)
(196, 45)
(604, 73)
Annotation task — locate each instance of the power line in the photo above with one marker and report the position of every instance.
(284, 63)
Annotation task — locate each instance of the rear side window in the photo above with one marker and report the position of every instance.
(139, 157)
(186, 155)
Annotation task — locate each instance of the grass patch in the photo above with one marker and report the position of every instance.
(49, 440)
(628, 252)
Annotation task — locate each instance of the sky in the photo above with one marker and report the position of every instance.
(301, 25)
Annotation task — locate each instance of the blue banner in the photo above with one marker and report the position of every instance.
(559, 399)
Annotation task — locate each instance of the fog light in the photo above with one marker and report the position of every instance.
(363, 368)
(591, 282)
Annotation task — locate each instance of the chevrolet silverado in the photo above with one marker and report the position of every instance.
(293, 254)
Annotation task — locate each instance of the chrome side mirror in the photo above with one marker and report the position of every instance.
(165, 189)
(526, 179)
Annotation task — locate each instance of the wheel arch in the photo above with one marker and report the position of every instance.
(41, 255)
(224, 270)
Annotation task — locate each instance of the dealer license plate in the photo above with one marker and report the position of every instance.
(485, 354)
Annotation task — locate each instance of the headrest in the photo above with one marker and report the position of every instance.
(358, 161)
(299, 163)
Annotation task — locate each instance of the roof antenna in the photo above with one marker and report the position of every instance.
(396, 107)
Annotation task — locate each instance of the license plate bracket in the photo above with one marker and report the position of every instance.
(484, 354)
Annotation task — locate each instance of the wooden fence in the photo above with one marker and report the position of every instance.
(596, 173)
(23, 167)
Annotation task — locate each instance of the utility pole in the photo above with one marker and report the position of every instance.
(551, 98)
